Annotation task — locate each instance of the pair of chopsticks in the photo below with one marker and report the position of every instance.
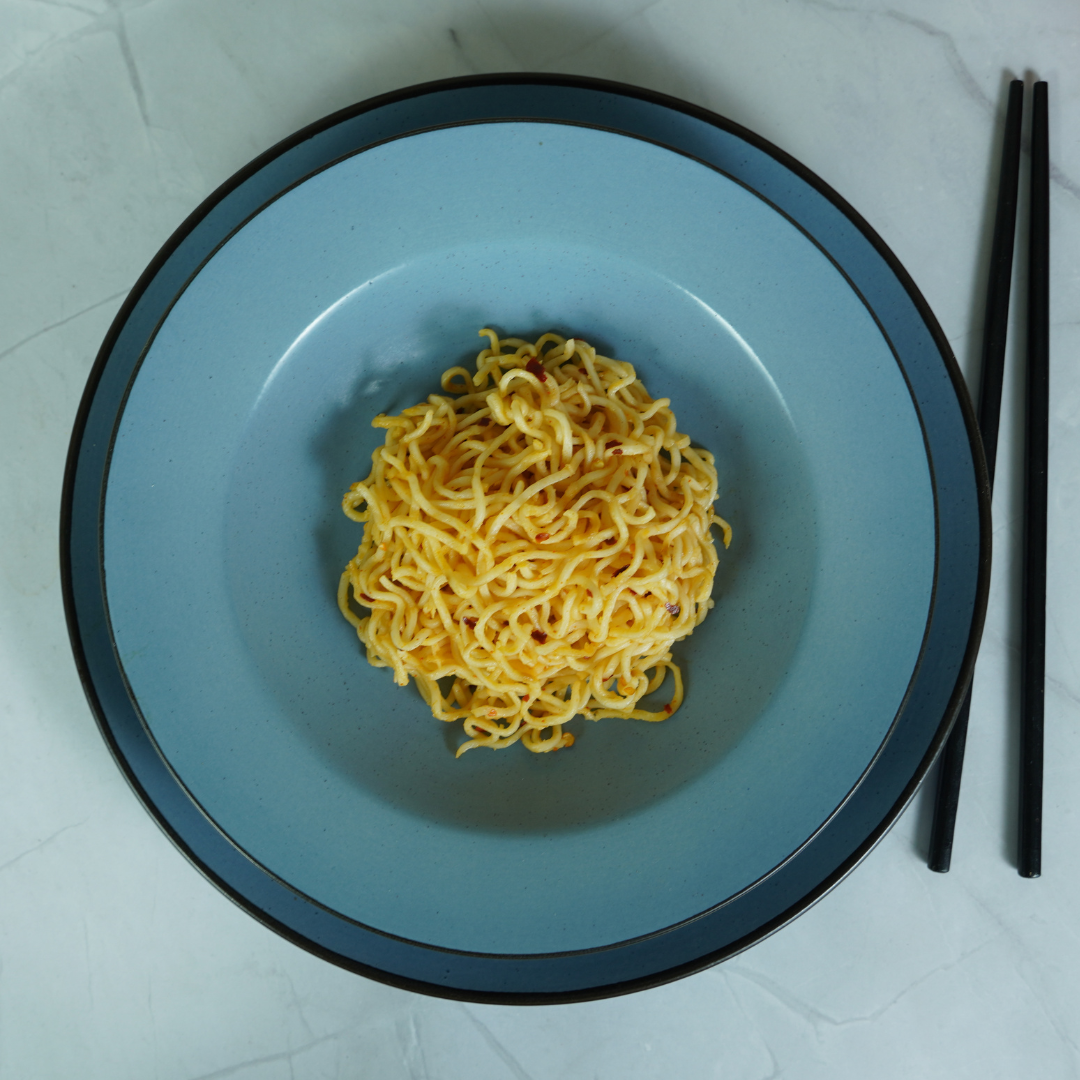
(1033, 632)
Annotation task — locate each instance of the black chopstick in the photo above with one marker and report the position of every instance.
(993, 367)
(1033, 602)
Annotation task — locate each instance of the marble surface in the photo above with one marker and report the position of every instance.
(117, 959)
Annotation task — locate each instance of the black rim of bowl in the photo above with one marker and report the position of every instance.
(609, 983)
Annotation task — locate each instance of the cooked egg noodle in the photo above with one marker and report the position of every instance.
(539, 537)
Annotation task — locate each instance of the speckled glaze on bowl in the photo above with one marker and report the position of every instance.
(247, 414)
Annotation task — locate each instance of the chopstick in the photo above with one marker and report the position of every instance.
(993, 367)
(1033, 632)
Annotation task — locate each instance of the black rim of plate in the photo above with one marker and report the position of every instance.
(551, 978)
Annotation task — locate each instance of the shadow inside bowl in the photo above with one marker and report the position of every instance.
(311, 434)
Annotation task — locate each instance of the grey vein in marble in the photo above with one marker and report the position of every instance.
(960, 69)
(109, 21)
(496, 1046)
(268, 1059)
(600, 35)
(67, 6)
(119, 27)
(1063, 689)
(956, 61)
(41, 844)
(1020, 947)
(775, 1070)
(412, 1046)
(61, 322)
(295, 1002)
(816, 1017)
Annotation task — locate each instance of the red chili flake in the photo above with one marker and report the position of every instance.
(364, 596)
(524, 697)
(470, 622)
(588, 592)
(541, 537)
(534, 367)
(673, 609)
(540, 636)
(616, 451)
(667, 708)
(484, 421)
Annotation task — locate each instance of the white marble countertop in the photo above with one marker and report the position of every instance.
(117, 958)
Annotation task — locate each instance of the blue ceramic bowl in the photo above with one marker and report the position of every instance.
(246, 414)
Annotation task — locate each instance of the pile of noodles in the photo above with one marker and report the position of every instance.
(540, 536)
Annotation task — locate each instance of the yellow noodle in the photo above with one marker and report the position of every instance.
(541, 538)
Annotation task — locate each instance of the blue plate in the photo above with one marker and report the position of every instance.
(335, 279)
